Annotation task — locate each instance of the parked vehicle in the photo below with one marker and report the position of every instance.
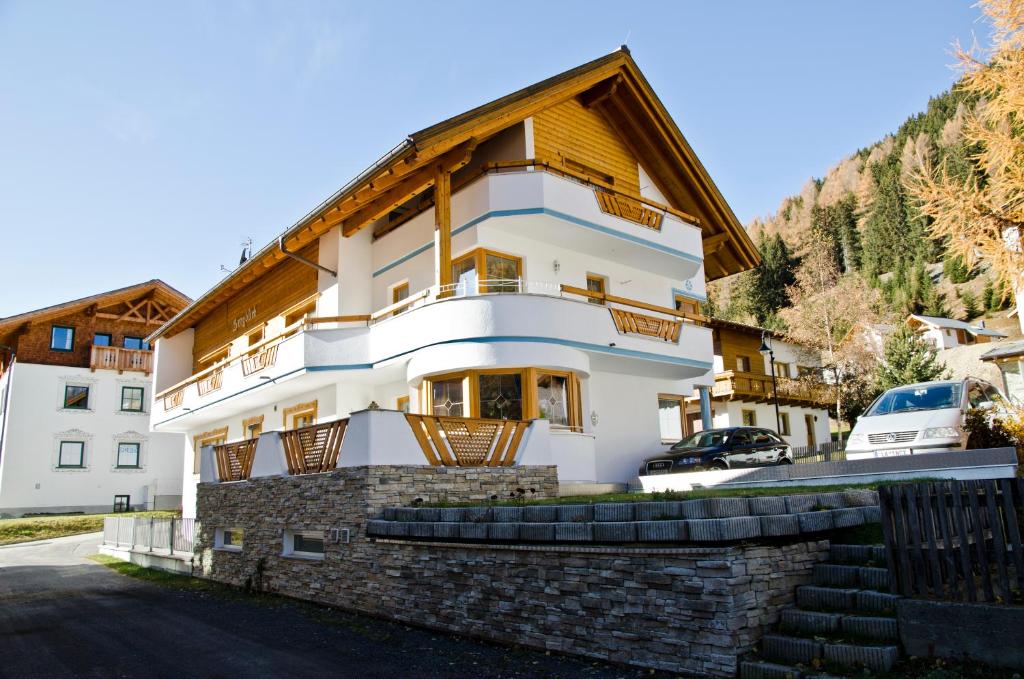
(919, 418)
(730, 448)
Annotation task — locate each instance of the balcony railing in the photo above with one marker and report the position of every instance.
(744, 386)
(234, 460)
(314, 449)
(467, 441)
(120, 359)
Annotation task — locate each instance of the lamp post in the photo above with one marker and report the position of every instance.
(766, 350)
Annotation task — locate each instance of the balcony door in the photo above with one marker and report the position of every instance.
(500, 272)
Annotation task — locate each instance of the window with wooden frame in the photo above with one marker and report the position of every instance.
(252, 427)
(742, 364)
(306, 307)
(213, 358)
(487, 271)
(687, 305)
(400, 292)
(781, 369)
(300, 415)
(671, 417)
(784, 423)
(749, 418)
(402, 403)
(507, 394)
(599, 284)
(214, 437)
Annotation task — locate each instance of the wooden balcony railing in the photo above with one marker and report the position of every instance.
(314, 449)
(121, 359)
(234, 460)
(173, 399)
(744, 386)
(211, 382)
(467, 441)
(259, 360)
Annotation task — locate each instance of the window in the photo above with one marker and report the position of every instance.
(298, 312)
(135, 343)
(749, 418)
(781, 369)
(252, 427)
(553, 398)
(501, 396)
(742, 364)
(740, 438)
(687, 305)
(214, 437)
(102, 339)
(501, 272)
(304, 544)
(62, 338)
(255, 337)
(128, 455)
(400, 292)
(122, 503)
(76, 397)
(300, 415)
(597, 284)
(71, 455)
(804, 371)
(131, 399)
(402, 403)
(762, 437)
(670, 417)
(446, 398)
(784, 422)
(229, 539)
(213, 358)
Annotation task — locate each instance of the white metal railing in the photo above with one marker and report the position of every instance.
(150, 534)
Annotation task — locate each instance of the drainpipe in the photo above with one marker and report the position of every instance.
(299, 258)
(7, 396)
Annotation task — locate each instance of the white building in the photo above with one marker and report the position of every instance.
(536, 260)
(75, 394)
(946, 333)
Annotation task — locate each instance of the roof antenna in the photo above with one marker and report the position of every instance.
(246, 251)
(625, 43)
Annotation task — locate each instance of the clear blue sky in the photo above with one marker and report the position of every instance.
(148, 140)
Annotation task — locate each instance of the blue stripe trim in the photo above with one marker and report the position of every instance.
(688, 295)
(551, 213)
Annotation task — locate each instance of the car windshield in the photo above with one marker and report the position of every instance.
(909, 399)
(703, 439)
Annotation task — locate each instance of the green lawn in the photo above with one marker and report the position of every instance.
(47, 527)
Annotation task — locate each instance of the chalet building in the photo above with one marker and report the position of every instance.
(1009, 358)
(744, 393)
(75, 394)
(526, 272)
(946, 333)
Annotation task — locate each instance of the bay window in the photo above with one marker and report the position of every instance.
(494, 271)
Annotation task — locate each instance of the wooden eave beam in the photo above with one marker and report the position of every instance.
(713, 244)
(600, 92)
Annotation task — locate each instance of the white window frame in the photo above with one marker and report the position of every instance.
(289, 544)
(218, 539)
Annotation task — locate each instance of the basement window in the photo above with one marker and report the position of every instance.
(229, 539)
(304, 544)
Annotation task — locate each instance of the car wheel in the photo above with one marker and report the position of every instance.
(718, 466)
(785, 460)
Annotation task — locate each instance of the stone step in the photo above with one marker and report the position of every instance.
(876, 602)
(870, 627)
(875, 658)
(817, 623)
(791, 649)
(860, 555)
(841, 575)
(761, 669)
(816, 598)
(824, 624)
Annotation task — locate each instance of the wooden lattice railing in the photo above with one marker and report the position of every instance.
(174, 399)
(633, 323)
(234, 460)
(313, 449)
(466, 441)
(211, 382)
(628, 208)
(264, 358)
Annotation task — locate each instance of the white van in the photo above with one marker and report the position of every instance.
(919, 418)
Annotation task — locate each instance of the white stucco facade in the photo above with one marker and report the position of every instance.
(37, 477)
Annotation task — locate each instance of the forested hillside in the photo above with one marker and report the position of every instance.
(864, 212)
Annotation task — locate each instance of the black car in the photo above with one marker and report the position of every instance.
(731, 448)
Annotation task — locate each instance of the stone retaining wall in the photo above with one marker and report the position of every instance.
(684, 608)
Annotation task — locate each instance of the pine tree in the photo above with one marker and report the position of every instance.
(955, 270)
(907, 359)
(970, 302)
(988, 296)
(765, 291)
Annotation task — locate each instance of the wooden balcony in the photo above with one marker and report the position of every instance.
(751, 387)
(120, 359)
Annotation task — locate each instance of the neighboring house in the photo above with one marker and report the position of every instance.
(744, 395)
(946, 333)
(541, 256)
(75, 393)
(1009, 357)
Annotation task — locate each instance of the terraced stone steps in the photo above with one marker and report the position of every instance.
(844, 621)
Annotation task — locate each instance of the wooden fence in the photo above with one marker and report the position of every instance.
(314, 449)
(955, 540)
(467, 441)
(823, 452)
(234, 460)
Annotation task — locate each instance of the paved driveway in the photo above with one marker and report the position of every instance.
(64, 616)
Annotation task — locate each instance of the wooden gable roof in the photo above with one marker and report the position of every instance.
(612, 85)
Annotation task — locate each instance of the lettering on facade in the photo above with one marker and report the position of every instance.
(241, 321)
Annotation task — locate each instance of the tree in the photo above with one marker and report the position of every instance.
(970, 302)
(908, 358)
(980, 214)
(826, 305)
(955, 270)
(765, 290)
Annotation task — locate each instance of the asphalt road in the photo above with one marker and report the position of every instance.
(64, 616)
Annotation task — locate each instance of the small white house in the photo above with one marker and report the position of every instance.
(946, 333)
(75, 399)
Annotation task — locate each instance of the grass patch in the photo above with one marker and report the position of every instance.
(672, 495)
(153, 576)
(13, 531)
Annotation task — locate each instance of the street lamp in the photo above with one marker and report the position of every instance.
(766, 351)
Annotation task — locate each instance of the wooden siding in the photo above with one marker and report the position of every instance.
(33, 345)
(730, 344)
(569, 130)
(286, 285)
